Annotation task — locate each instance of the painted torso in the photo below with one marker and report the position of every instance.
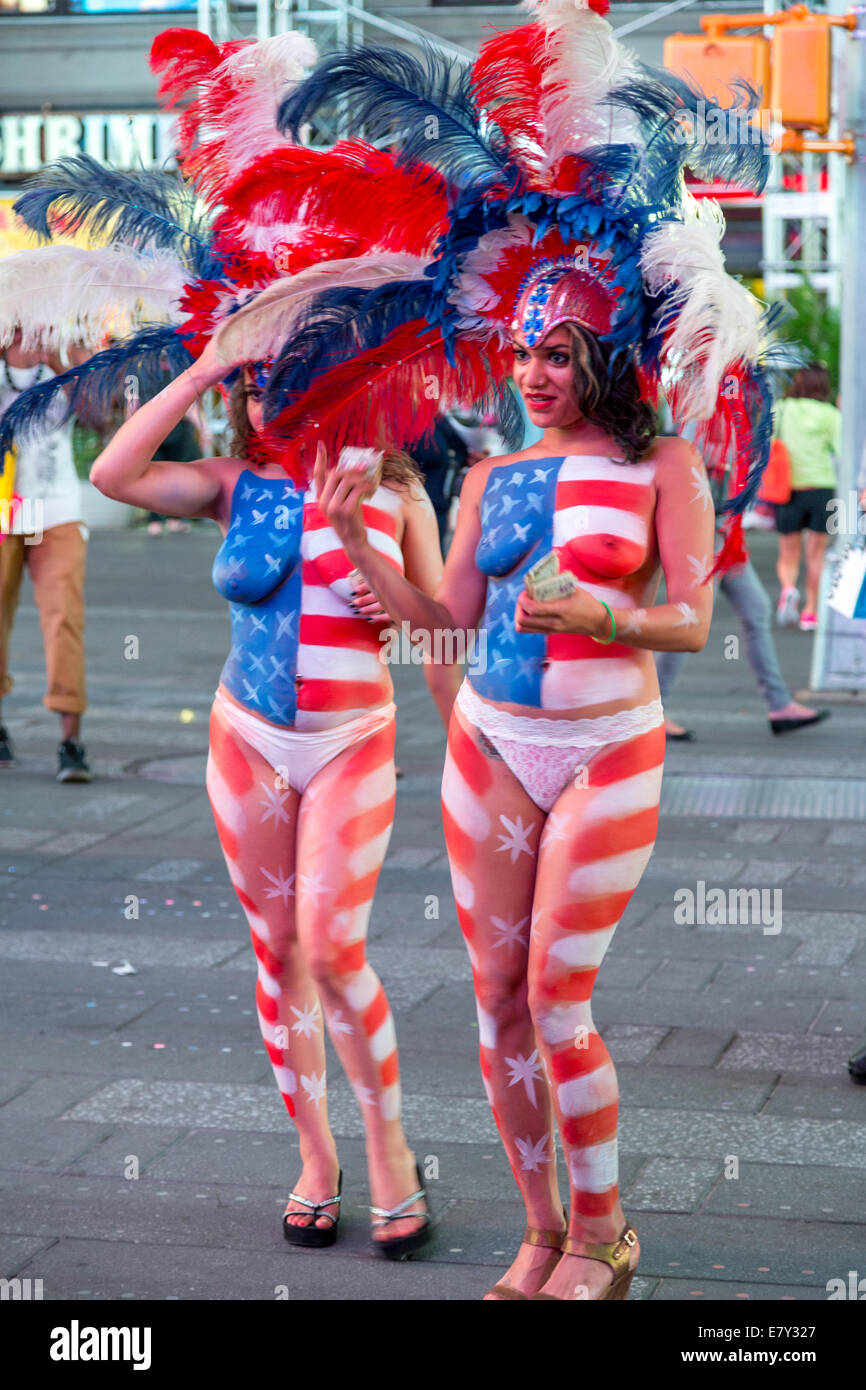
(598, 514)
(300, 657)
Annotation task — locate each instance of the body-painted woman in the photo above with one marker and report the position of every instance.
(553, 774)
(301, 772)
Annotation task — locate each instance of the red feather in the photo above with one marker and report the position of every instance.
(190, 61)
(353, 190)
(388, 395)
(507, 79)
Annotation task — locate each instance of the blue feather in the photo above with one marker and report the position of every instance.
(91, 390)
(143, 210)
(422, 107)
(340, 323)
(679, 125)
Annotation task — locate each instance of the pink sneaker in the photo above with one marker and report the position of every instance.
(808, 622)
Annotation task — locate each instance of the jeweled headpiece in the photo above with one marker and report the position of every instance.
(554, 293)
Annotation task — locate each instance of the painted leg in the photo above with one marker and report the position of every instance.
(256, 819)
(492, 829)
(344, 826)
(597, 842)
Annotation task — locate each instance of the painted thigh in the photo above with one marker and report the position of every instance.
(596, 844)
(256, 818)
(344, 827)
(492, 830)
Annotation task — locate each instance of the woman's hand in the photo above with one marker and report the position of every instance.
(365, 602)
(209, 368)
(578, 613)
(340, 495)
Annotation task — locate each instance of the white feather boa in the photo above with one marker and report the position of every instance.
(260, 328)
(59, 295)
(718, 321)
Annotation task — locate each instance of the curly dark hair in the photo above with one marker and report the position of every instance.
(397, 466)
(611, 399)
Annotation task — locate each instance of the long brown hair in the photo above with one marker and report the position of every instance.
(812, 381)
(397, 465)
(610, 400)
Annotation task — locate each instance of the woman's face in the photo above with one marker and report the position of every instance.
(254, 397)
(544, 376)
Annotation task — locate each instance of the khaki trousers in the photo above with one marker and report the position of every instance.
(56, 566)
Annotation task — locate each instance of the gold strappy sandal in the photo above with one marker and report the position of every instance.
(615, 1255)
(549, 1240)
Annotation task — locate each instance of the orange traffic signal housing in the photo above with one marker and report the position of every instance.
(800, 87)
(714, 62)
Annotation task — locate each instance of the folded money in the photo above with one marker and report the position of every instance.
(557, 586)
(542, 569)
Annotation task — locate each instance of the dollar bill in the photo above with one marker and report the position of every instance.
(557, 586)
(542, 569)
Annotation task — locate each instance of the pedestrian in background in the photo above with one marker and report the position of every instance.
(809, 426)
(48, 536)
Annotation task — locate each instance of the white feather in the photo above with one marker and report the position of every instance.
(586, 62)
(718, 321)
(259, 329)
(472, 295)
(263, 73)
(60, 295)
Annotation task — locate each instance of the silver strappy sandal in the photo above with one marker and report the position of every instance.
(401, 1246)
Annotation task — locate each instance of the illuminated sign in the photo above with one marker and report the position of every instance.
(141, 140)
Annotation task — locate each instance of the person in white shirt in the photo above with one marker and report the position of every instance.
(45, 535)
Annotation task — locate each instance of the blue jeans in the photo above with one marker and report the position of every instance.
(747, 595)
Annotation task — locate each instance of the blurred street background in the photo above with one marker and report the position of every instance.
(144, 1148)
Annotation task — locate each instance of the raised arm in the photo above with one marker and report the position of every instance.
(685, 529)
(459, 598)
(126, 469)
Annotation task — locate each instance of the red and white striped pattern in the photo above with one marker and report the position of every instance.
(571, 874)
(305, 870)
(340, 672)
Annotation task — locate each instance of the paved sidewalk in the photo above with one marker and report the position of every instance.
(144, 1149)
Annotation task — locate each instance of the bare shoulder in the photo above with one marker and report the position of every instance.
(674, 457)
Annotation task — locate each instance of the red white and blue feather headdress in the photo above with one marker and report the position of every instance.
(544, 181)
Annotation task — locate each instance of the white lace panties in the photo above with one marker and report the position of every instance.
(546, 754)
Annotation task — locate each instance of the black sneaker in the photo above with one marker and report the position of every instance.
(72, 763)
(7, 752)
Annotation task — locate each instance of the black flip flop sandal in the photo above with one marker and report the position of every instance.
(402, 1246)
(313, 1235)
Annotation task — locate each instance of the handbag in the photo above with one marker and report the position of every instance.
(848, 595)
(776, 482)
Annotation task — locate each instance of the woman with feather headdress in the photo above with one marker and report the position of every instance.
(568, 253)
(301, 769)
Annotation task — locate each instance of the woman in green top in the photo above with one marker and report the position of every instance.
(809, 426)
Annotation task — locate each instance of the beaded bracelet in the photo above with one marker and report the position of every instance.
(606, 641)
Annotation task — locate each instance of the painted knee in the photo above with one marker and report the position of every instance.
(500, 1001)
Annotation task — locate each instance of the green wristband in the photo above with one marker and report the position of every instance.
(606, 641)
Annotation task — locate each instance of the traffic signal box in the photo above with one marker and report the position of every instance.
(800, 86)
(713, 63)
(791, 70)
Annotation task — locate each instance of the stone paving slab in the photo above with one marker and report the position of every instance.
(76, 1270)
(672, 1184)
(661, 1087)
(816, 1193)
(692, 1048)
(788, 1053)
(714, 1290)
